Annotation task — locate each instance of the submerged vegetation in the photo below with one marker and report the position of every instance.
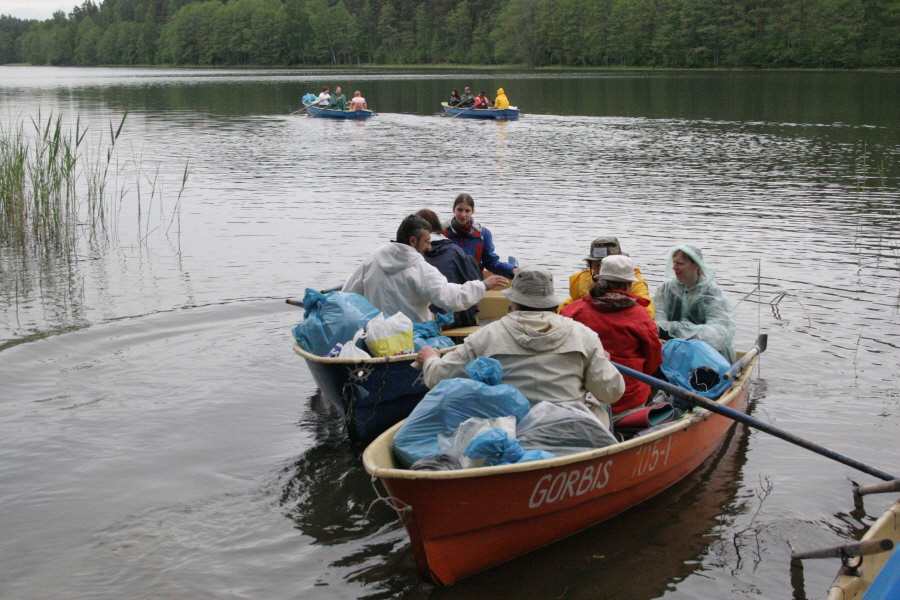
(573, 33)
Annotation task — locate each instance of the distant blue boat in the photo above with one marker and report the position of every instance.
(332, 113)
(497, 114)
(372, 394)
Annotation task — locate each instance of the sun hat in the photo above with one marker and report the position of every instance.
(533, 286)
(617, 268)
(603, 247)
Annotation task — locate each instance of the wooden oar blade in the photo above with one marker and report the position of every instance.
(866, 548)
(877, 488)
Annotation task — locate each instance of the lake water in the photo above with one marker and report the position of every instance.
(159, 438)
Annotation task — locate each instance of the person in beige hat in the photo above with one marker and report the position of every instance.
(580, 283)
(545, 355)
(619, 318)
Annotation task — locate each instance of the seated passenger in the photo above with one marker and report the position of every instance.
(501, 101)
(397, 279)
(358, 102)
(481, 101)
(626, 330)
(544, 355)
(338, 101)
(453, 263)
(580, 283)
(691, 306)
(467, 99)
(324, 97)
(454, 98)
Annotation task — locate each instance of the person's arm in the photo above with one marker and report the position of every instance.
(437, 368)
(489, 258)
(601, 378)
(434, 287)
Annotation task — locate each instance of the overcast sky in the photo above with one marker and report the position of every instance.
(36, 9)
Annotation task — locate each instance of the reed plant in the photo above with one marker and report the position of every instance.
(51, 183)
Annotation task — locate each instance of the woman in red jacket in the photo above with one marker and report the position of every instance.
(623, 324)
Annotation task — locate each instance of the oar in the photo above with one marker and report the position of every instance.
(758, 348)
(299, 303)
(866, 548)
(876, 488)
(299, 110)
(459, 113)
(715, 407)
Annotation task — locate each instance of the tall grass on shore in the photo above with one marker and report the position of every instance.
(51, 182)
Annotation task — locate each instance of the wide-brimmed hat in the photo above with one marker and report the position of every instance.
(603, 247)
(617, 268)
(533, 286)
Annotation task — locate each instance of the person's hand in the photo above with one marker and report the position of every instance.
(495, 281)
(515, 270)
(608, 355)
(425, 353)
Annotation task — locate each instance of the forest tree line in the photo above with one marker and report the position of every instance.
(572, 33)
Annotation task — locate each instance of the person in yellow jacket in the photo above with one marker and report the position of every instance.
(501, 101)
(580, 283)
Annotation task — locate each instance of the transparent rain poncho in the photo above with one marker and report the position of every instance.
(701, 311)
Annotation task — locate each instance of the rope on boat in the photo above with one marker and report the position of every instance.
(390, 501)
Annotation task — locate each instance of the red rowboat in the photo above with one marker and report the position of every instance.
(462, 522)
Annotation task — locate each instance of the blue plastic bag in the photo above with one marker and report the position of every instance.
(429, 332)
(331, 319)
(497, 448)
(309, 98)
(682, 358)
(451, 402)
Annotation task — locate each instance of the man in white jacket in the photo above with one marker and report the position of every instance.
(397, 279)
(543, 354)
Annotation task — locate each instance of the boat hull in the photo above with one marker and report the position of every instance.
(496, 114)
(461, 522)
(371, 394)
(330, 113)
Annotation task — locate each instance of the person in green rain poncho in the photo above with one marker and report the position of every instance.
(691, 306)
(338, 100)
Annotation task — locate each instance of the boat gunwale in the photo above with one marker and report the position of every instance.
(349, 110)
(448, 108)
(334, 360)
(690, 418)
(886, 525)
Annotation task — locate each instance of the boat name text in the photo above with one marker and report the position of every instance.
(570, 484)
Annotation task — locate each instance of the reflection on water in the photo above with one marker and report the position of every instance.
(152, 404)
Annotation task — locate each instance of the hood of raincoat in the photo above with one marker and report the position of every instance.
(538, 331)
(708, 274)
(439, 246)
(500, 92)
(395, 257)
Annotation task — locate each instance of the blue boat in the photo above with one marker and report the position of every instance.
(497, 114)
(333, 113)
(371, 393)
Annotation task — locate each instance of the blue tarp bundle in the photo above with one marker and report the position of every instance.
(429, 332)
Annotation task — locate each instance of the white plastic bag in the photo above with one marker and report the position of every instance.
(562, 428)
(351, 350)
(391, 336)
(455, 443)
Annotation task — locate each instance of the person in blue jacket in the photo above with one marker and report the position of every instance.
(453, 263)
(474, 239)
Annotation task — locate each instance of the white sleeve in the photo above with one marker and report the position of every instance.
(434, 287)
